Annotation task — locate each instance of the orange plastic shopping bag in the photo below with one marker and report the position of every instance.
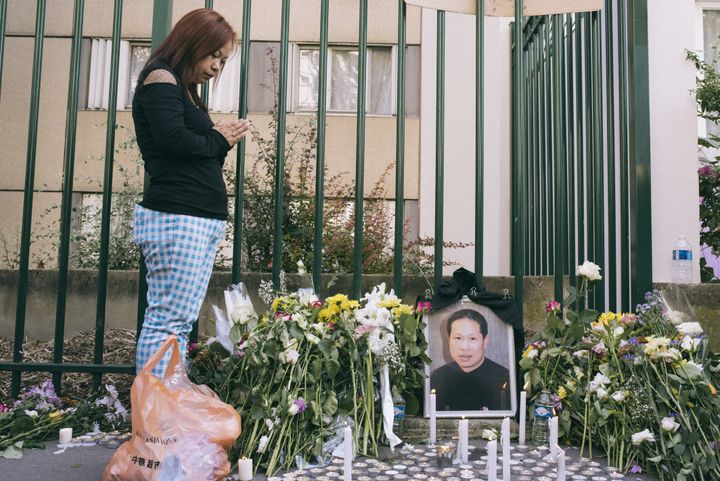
(180, 431)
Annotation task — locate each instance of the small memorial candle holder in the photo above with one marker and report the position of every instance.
(445, 454)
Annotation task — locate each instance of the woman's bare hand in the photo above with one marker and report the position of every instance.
(233, 130)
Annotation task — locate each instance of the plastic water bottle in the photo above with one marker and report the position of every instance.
(399, 415)
(682, 264)
(542, 413)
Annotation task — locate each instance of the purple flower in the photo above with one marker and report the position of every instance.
(192, 347)
(706, 170)
(634, 341)
(43, 397)
(636, 468)
(712, 445)
(4, 408)
(552, 306)
(300, 403)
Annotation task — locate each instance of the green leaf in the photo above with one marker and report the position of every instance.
(324, 347)
(13, 452)
(296, 332)
(556, 323)
(589, 315)
(679, 449)
(330, 405)
(332, 368)
(235, 333)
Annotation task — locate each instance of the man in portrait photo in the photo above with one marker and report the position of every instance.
(471, 381)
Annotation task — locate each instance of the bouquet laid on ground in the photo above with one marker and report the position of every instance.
(302, 371)
(38, 414)
(640, 386)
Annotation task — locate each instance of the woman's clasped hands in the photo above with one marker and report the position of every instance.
(233, 130)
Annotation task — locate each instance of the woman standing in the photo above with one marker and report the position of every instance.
(183, 214)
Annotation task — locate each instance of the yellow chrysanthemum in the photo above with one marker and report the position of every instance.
(275, 304)
(325, 314)
(389, 303)
(562, 392)
(402, 309)
(347, 305)
(337, 299)
(607, 317)
(54, 414)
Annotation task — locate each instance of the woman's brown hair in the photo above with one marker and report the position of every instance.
(198, 34)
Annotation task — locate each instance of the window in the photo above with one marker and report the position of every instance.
(343, 80)
(710, 45)
(95, 84)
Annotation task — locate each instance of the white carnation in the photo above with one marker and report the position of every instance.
(618, 396)
(643, 436)
(690, 328)
(602, 394)
(262, 444)
(293, 409)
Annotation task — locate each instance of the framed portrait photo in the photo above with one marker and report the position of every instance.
(472, 367)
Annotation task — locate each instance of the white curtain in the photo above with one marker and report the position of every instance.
(381, 69)
(344, 80)
(308, 79)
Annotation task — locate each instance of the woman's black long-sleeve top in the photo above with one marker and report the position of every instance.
(183, 154)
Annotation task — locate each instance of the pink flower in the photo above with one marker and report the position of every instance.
(599, 348)
(4, 408)
(317, 304)
(628, 319)
(300, 403)
(707, 170)
(423, 306)
(192, 347)
(363, 329)
(635, 468)
(552, 306)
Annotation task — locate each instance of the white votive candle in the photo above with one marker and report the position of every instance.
(505, 433)
(433, 426)
(245, 469)
(560, 464)
(523, 412)
(347, 453)
(492, 460)
(553, 436)
(463, 436)
(65, 435)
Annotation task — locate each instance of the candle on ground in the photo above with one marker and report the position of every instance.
(65, 435)
(347, 454)
(463, 437)
(553, 436)
(433, 427)
(245, 469)
(492, 460)
(560, 464)
(523, 412)
(506, 448)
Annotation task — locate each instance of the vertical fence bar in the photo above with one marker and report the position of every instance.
(545, 58)
(570, 99)
(519, 221)
(3, 22)
(161, 26)
(639, 141)
(599, 170)
(580, 122)
(320, 156)
(107, 193)
(439, 148)
(479, 140)
(564, 18)
(400, 147)
(589, 146)
(23, 266)
(280, 150)
(534, 159)
(624, 161)
(205, 88)
(531, 129)
(558, 162)
(550, 152)
(68, 177)
(611, 267)
(360, 150)
(240, 156)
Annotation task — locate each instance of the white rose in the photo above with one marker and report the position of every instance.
(618, 331)
(292, 356)
(312, 338)
(601, 394)
(31, 412)
(643, 436)
(618, 396)
(668, 424)
(589, 271)
(262, 444)
(671, 354)
(301, 267)
(580, 353)
(293, 409)
(242, 314)
(690, 329)
(269, 424)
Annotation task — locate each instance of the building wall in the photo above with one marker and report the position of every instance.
(459, 200)
(91, 126)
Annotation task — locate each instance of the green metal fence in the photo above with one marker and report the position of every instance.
(580, 86)
(557, 77)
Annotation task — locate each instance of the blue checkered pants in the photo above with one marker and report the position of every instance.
(179, 254)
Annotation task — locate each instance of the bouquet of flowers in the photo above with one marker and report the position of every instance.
(309, 366)
(633, 384)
